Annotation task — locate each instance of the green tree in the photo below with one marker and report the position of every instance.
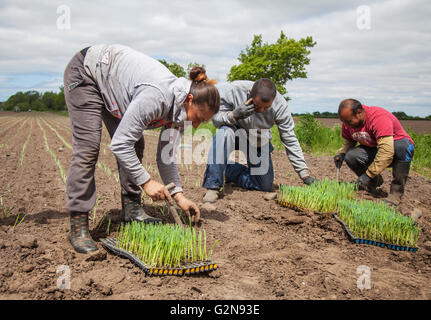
(13, 100)
(38, 105)
(192, 65)
(32, 96)
(400, 115)
(174, 67)
(281, 61)
(59, 102)
(22, 106)
(48, 99)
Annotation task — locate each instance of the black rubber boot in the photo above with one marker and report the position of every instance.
(79, 235)
(400, 172)
(132, 210)
(377, 181)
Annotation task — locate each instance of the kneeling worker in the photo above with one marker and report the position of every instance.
(248, 110)
(382, 143)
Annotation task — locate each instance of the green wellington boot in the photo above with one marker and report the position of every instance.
(79, 235)
(132, 210)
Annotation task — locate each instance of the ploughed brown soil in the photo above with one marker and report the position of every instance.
(419, 126)
(266, 252)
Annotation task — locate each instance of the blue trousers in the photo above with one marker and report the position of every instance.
(257, 175)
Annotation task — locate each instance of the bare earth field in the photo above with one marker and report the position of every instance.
(419, 126)
(266, 252)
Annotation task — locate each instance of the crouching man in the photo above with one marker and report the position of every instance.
(382, 143)
(247, 112)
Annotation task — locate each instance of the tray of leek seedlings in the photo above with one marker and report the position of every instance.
(322, 196)
(376, 223)
(163, 249)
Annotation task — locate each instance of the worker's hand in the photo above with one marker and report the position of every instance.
(156, 191)
(188, 206)
(338, 160)
(309, 180)
(363, 181)
(244, 110)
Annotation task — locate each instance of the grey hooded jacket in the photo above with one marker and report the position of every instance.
(234, 94)
(145, 95)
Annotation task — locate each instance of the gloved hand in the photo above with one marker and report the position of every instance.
(244, 110)
(309, 180)
(338, 159)
(363, 181)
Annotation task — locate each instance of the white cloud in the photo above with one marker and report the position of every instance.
(388, 65)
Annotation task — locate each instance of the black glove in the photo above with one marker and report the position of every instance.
(363, 181)
(338, 159)
(309, 180)
(244, 111)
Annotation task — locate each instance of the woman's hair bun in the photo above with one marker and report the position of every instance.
(198, 74)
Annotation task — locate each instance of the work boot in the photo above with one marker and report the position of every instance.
(79, 235)
(377, 181)
(132, 210)
(211, 196)
(400, 172)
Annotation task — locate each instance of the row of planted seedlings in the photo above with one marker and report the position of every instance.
(366, 222)
(10, 137)
(53, 154)
(100, 163)
(164, 249)
(24, 146)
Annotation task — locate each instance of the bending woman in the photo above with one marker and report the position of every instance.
(130, 92)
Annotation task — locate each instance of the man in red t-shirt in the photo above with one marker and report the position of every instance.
(382, 143)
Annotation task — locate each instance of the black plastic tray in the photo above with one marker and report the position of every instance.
(188, 269)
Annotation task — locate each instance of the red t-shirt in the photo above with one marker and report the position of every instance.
(378, 123)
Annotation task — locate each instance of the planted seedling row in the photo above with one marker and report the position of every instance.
(53, 155)
(24, 146)
(14, 135)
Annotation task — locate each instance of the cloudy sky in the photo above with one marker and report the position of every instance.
(382, 59)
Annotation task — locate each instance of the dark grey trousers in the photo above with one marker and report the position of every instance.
(358, 159)
(87, 111)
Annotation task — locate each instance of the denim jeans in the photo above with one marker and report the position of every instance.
(257, 175)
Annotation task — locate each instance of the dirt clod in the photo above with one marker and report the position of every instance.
(416, 214)
(7, 273)
(197, 290)
(427, 245)
(294, 220)
(28, 242)
(28, 268)
(96, 256)
(270, 196)
(209, 207)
